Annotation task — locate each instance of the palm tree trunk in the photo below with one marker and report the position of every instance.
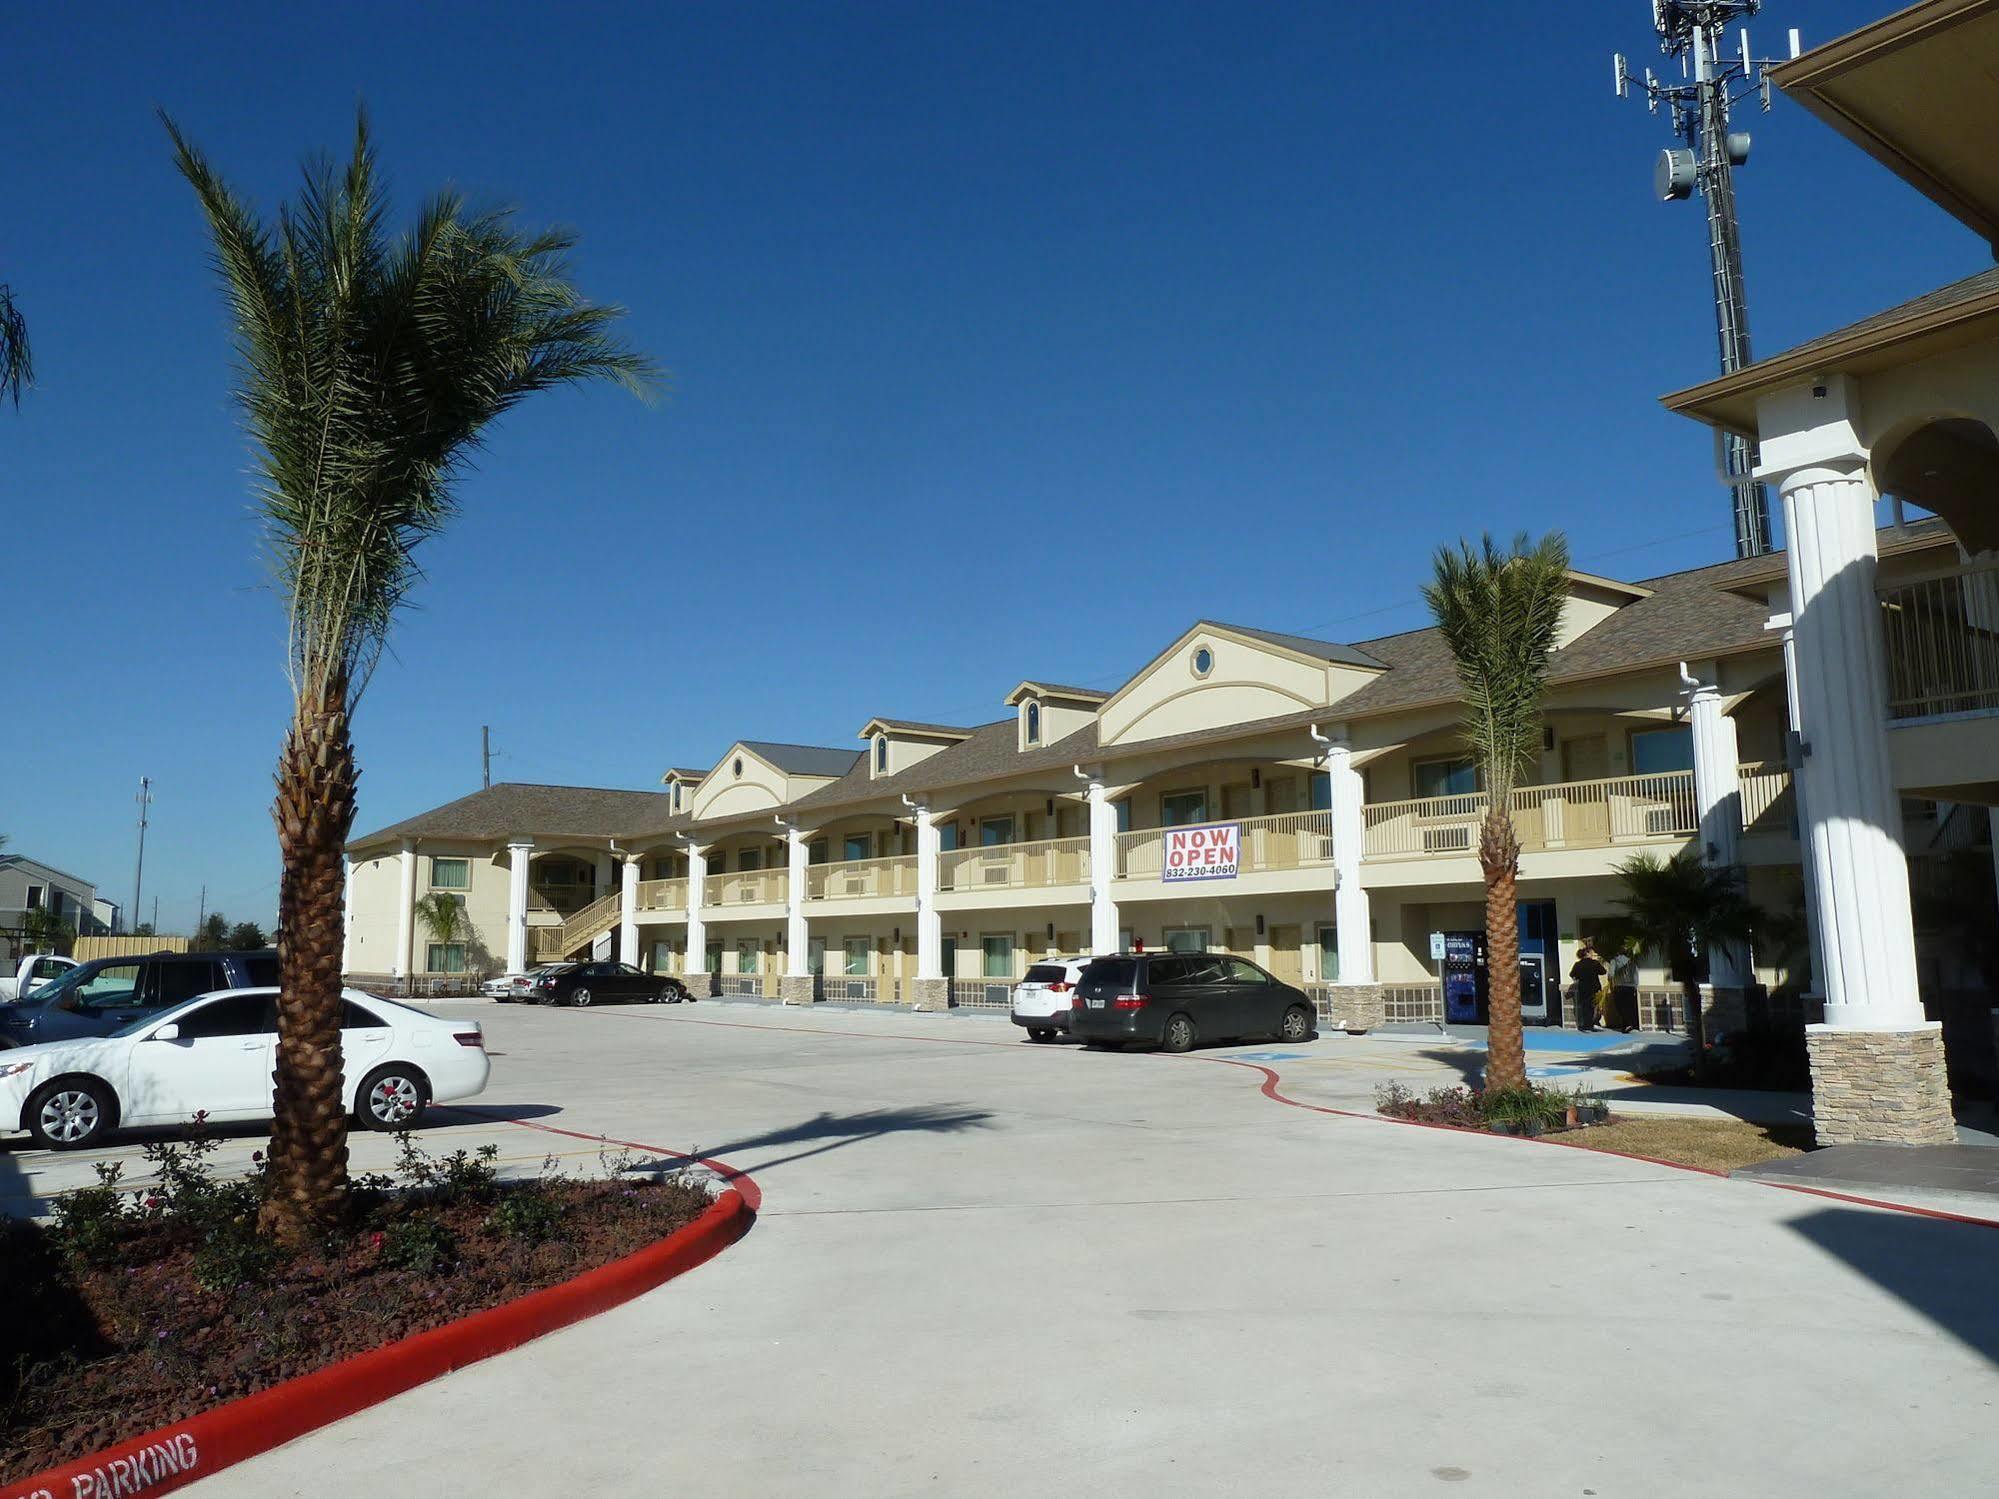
(306, 1184)
(1499, 857)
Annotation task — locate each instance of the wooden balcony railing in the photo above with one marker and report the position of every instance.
(1768, 803)
(852, 879)
(1049, 861)
(662, 895)
(592, 921)
(1283, 840)
(1572, 814)
(747, 887)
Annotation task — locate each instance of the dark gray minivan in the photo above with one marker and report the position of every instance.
(1174, 999)
(95, 998)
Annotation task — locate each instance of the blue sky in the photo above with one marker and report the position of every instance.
(1058, 325)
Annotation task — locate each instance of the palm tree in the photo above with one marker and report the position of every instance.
(17, 365)
(1499, 613)
(369, 369)
(44, 931)
(1680, 908)
(442, 917)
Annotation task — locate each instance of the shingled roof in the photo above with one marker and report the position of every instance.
(515, 808)
(805, 759)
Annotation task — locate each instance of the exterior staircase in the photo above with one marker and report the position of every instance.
(552, 943)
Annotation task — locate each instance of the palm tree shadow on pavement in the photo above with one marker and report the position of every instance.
(835, 1132)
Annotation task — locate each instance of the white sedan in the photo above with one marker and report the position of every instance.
(216, 1055)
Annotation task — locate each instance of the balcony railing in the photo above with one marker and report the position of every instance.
(1573, 814)
(662, 895)
(747, 887)
(564, 900)
(592, 921)
(852, 879)
(1283, 840)
(1942, 642)
(1051, 861)
(1769, 805)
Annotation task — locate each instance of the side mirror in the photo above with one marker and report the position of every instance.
(167, 1033)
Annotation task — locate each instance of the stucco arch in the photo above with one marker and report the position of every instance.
(1947, 462)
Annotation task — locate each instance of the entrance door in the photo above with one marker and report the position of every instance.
(815, 955)
(1584, 819)
(1287, 961)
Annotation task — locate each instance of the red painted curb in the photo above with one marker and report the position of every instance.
(173, 1456)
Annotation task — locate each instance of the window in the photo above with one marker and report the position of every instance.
(172, 982)
(1123, 810)
(1453, 777)
(113, 984)
(354, 1018)
(881, 754)
(947, 836)
(239, 1015)
(1167, 971)
(749, 859)
(1115, 972)
(994, 831)
(260, 972)
(35, 893)
(1179, 808)
(676, 796)
(444, 957)
(1034, 723)
(997, 953)
(1329, 955)
(857, 846)
(1657, 751)
(1322, 791)
(746, 955)
(856, 949)
(948, 956)
(1238, 972)
(737, 768)
(451, 874)
(1186, 939)
(1203, 661)
(662, 957)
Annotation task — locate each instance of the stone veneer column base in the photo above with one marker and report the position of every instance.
(930, 994)
(700, 985)
(797, 989)
(1880, 1087)
(1357, 1007)
(1723, 1010)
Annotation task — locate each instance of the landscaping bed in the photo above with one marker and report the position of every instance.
(1710, 1144)
(134, 1310)
(1526, 1111)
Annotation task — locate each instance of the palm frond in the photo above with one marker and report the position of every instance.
(369, 368)
(17, 361)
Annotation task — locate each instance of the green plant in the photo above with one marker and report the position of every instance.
(44, 931)
(1525, 1104)
(420, 1243)
(370, 368)
(462, 1176)
(90, 1221)
(1499, 613)
(1680, 908)
(233, 1253)
(528, 1213)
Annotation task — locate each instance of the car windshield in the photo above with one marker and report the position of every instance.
(58, 987)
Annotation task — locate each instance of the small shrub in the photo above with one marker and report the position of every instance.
(527, 1213)
(1525, 1105)
(462, 1176)
(419, 1243)
(233, 1254)
(91, 1221)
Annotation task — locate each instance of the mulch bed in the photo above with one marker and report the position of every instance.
(93, 1353)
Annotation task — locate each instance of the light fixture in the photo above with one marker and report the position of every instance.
(1259, 923)
(1255, 778)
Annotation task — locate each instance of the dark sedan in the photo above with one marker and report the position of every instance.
(1173, 1000)
(606, 983)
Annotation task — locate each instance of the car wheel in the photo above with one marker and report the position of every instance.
(1042, 1033)
(580, 998)
(393, 1097)
(70, 1113)
(1178, 1035)
(672, 994)
(1297, 1024)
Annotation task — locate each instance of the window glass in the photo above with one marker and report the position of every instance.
(1657, 751)
(881, 752)
(445, 957)
(1044, 973)
(44, 970)
(995, 830)
(260, 972)
(857, 955)
(1239, 972)
(857, 846)
(1114, 971)
(1123, 815)
(1322, 792)
(174, 981)
(1329, 955)
(998, 955)
(1179, 808)
(1166, 971)
(1187, 939)
(750, 858)
(1444, 777)
(746, 955)
(1034, 723)
(355, 1018)
(239, 1015)
(114, 983)
(947, 836)
(451, 874)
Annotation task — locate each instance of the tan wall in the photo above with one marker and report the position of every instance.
(1246, 683)
(373, 916)
(124, 946)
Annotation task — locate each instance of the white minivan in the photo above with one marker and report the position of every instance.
(1042, 997)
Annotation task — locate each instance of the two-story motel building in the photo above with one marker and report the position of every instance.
(932, 863)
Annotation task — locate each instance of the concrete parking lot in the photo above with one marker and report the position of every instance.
(986, 1267)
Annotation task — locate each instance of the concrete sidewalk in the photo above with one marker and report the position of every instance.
(989, 1268)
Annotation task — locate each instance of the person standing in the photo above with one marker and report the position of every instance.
(1588, 974)
(1622, 1006)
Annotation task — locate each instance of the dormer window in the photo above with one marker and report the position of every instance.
(737, 768)
(676, 796)
(881, 754)
(1033, 723)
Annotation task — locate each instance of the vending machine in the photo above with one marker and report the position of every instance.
(1466, 1000)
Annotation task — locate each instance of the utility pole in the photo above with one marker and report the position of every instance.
(145, 800)
(1698, 106)
(201, 914)
(486, 756)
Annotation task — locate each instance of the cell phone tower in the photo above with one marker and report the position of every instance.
(1711, 85)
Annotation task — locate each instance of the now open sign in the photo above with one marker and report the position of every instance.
(1204, 853)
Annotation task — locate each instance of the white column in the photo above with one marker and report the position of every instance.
(405, 916)
(519, 856)
(697, 928)
(1352, 917)
(1718, 796)
(1865, 929)
(929, 923)
(1815, 983)
(1103, 869)
(796, 941)
(628, 913)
